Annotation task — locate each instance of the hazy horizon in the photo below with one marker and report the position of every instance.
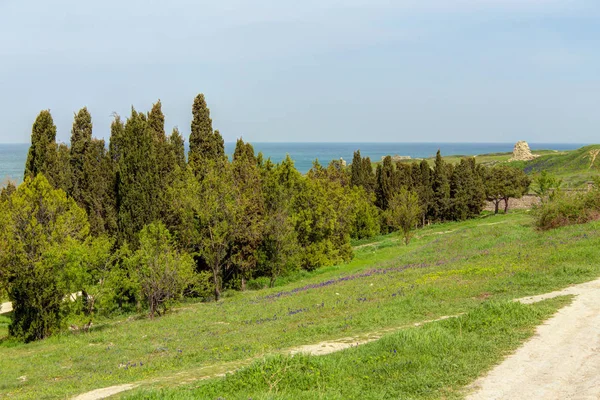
(454, 71)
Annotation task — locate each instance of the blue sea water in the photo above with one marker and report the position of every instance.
(13, 156)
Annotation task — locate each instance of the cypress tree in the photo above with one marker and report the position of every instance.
(138, 178)
(205, 145)
(357, 178)
(99, 198)
(176, 143)
(59, 168)
(248, 232)
(117, 131)
(43, 146)
(368, 176)
(425, 190)
(441, 188)
(385, 183)
(156, 122)
(81, 135)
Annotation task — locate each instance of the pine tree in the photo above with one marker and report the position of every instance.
(43, 146)
(81, 135)
(205, 144)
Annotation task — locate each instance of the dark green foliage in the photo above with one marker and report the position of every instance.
(59, 171)
(117, 136)
(138, 185)
(466, 190)
(99, 197)
(424, 187)
(156, 122)
(385, 183)
(441, 189)
(81, 136)
(356, 170)
(43, 146)
(249, 228)
(176, 143)
(362, 172)
(38, 225)
(205, 145)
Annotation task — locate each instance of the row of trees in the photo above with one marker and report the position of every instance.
(139, 224)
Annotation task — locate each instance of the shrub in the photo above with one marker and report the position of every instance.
(568, 209)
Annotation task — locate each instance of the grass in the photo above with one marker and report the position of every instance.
(435, 360)
(573, 167)
(446, 270)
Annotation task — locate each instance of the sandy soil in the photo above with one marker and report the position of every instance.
(5, 308)
(562, 361)
(104, 393)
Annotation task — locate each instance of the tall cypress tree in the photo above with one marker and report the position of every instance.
(205, 144)
(385, 183)
(248, 232)
(117, 132)
(43, 146)
(156, 122)
(138, 178)
(441, 188)
(368, 176)
(425, 190)
(357, 178)
(99, 198)
(177, 145)
(81, 135)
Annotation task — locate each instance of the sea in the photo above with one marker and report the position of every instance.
(13, 156)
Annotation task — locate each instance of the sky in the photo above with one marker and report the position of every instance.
(311, 70)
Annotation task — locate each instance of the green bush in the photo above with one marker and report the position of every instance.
(568, 209)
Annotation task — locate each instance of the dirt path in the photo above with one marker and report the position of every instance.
(562, 361)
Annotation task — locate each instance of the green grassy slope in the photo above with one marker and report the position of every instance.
(574, 167)
(436, 360)
(448, 269)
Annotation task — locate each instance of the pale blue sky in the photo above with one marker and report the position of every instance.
(312, 70)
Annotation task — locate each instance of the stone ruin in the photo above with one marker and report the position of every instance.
(522, 152)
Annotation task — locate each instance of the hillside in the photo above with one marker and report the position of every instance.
(574, 167)
(448, 269)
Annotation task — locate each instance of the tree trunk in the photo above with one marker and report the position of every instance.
(506, 205)
(496, 206)
(243, 284)
(216, 280)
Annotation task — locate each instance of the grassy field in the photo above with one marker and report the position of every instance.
(448, 269)
(437, 360)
